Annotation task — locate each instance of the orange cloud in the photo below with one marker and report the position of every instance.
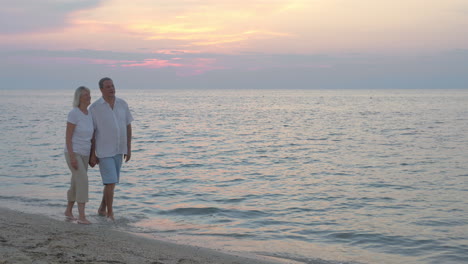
(252, 34)
(193, 25)
(171, 29)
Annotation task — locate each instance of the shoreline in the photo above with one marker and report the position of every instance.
(31, 238)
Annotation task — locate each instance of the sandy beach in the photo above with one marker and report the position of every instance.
(28, 238)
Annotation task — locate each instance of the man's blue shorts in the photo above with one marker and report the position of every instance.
(110, 169)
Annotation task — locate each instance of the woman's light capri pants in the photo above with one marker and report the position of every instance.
(78, 191)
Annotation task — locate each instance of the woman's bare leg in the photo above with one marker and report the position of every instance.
(68, 211)
(82, 217)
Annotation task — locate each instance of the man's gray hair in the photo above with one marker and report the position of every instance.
(101, 82)
(78, 92)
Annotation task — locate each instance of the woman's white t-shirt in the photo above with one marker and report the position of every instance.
(83, 133)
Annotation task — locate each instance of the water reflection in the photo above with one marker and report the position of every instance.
(295, 173)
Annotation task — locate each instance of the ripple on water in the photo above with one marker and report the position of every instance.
(332, 168)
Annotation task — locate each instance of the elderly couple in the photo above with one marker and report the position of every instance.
(100, 134)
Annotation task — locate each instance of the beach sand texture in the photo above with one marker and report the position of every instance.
(28, 238)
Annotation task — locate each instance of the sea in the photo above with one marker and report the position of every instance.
(301, 176)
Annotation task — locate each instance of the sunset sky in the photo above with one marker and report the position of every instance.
(248, 44)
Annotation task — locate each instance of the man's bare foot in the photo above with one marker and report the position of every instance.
(111, 217)
(102, 213)
(83, 221)
(69, 216)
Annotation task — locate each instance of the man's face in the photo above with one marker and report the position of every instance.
(108, 89)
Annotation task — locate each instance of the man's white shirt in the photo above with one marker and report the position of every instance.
(110, 126)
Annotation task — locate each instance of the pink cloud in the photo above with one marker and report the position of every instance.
(296, 66)
(199, 66)
(182, 66)
(174, 52)
(153, 64)
(72, 60)
(68, 60)
(185, 67)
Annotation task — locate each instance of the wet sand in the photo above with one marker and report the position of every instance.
(28, 238)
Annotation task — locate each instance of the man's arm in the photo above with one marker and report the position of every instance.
(129, 143)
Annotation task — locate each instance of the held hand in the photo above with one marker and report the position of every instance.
(93, 160)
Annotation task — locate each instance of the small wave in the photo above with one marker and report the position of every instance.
(233, 235)
(393, 186)
(378, 240)
(439, 223)
(166, 193)
(285, 256)
(366, 113)
(192, 211)
(240, 214)
(459, 255)
(25, 199)
(230, 201)
(305, 210)
(409, 134)
(177, 166)
(41, 145)
(394, 244)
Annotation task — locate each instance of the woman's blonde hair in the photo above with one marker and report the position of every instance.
(78, 92)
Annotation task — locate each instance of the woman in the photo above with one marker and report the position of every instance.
(78, 137)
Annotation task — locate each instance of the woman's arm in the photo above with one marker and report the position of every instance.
(68, 140)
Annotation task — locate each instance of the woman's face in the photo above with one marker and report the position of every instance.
(85, 98)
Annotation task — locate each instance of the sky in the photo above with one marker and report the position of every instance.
(235, 44)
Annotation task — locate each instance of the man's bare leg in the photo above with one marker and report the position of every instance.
(102, 211)
(109, 199)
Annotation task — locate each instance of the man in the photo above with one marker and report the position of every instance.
(112, 141)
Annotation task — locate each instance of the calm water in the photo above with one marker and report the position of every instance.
(353, 176)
